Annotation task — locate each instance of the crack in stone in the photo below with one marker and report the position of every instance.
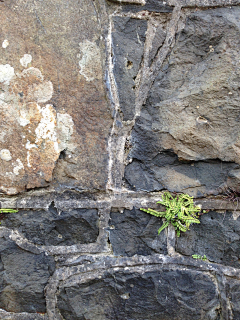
(100, 256)
(148, 74)
(226, 311)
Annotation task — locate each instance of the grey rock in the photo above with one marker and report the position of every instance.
(139, 177)
(157, 42)
(192, 109)
(55, 228)
(128, 42)
(136, 232)
(164, 170)
(167, 6)
(217, 237)
(151, 6)
(23, 278)
(233, 294)
(158, 295)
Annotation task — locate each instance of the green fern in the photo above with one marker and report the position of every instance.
(196, 256)
(8, 211)
(180, 212)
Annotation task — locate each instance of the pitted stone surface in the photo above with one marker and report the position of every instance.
(51, 227)
(51, 78)
(190, 102)
(136, 232)
(128, 43)
(162, 294)
(217, 237)
(233, 294)
(90, 90)
(23, 278)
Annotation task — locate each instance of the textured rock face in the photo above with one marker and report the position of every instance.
(56, 228)
(23, 278)
(165, 294)
(191, 112)
(52, 96)
(104, 105)
(233, 289)
(140, 230)
(217, 237)
(128, 43)
(29, 138)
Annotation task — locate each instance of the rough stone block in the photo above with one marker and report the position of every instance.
(128, 43)
(150, 6)
(53, 100)
(233, 294)
(186, 138)
(55, 228)
(23, 278)
(217, 236)
(136, 232)
(160, 295)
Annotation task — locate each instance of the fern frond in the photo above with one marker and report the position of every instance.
(181, 212)
(181, 227)
(8, 211)
(190, 219)
(154, 212)
(163, 227)
(196, 256)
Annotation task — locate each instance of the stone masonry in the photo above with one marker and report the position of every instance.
(104, 105)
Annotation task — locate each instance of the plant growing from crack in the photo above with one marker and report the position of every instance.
(197, 256)
(4, 211)
(180, 212)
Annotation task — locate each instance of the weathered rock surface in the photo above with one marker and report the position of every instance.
(55, 228)
(23, 278)
(191, 113)
(150, 6)
(52, 96)
(161, 294)
(140, 230)
(217, 237)
(103, 104)
(128, 42)
(233, 294)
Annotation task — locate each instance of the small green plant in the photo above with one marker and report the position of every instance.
(8, 211)
(4, 211)
(196, 256)
(180, 212)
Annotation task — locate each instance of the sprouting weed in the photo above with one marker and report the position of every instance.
(196, 256)
(4, 211)
(180, 212)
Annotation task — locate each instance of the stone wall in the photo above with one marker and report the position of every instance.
(104, 105)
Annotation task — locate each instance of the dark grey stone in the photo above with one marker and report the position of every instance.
(158, 41)
(136, 232)
(186, 137)
(151, 6)
(128, 42)
(156, 295)
(217, 236)
(23, 278)
(139, 177)
(233, 294)
(154, 169)
(55, 228)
